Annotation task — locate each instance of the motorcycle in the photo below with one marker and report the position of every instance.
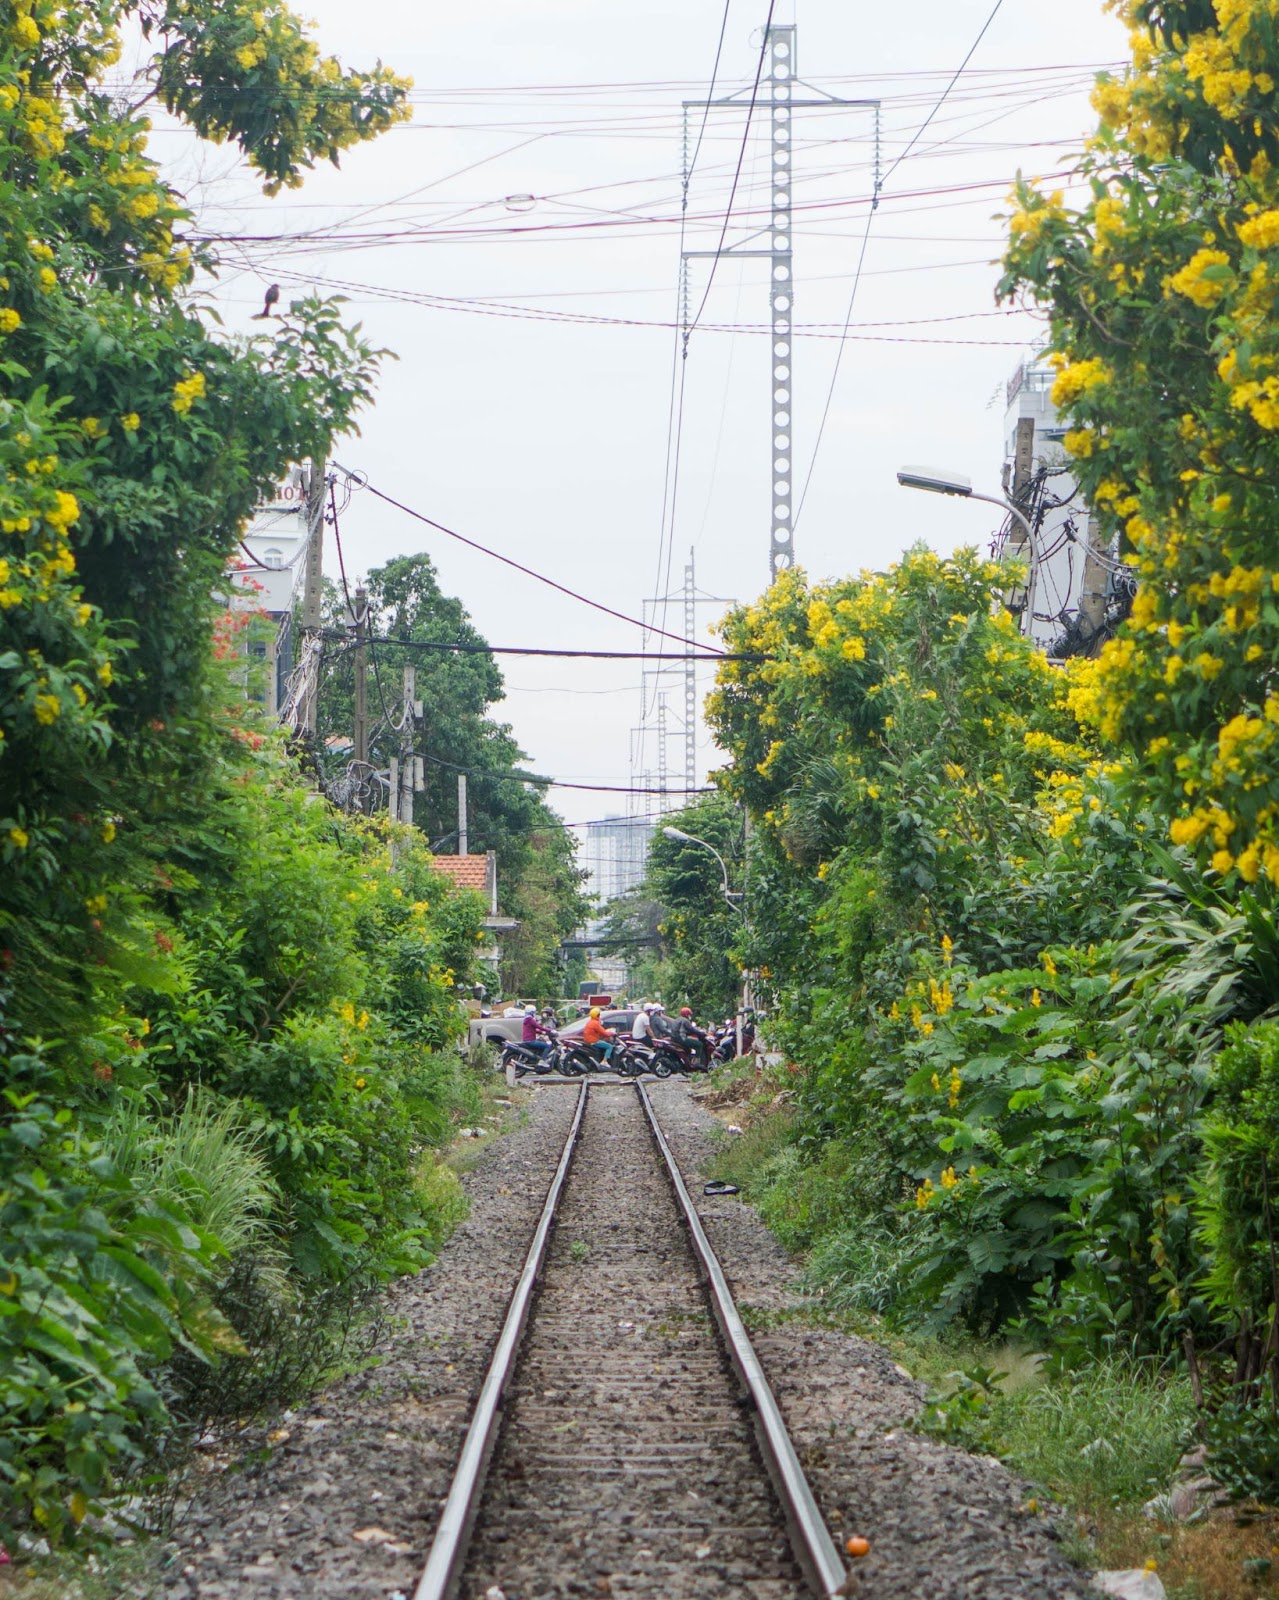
(642, 1055)
(527, 1059)
(676, 1057)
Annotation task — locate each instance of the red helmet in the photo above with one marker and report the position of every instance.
(686, 1011)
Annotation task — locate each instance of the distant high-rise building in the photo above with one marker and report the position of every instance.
(615, 854)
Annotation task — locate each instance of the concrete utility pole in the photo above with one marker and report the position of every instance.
(407, 758)
(312, 610)
(361, 730)
(463, 839)
(1018, 542)
(1092, 593)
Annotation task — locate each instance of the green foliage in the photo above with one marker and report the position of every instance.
(681, 901)
(245, 1002)
(999, 1116)
(962, 1416)
(540, 883)
(100, 1281)
(1242, 1442)
(1237, 1192)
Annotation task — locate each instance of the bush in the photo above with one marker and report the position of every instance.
(100, 1282)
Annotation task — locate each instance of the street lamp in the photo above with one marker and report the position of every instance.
(937, 482)
(733, 899)
(678, 833)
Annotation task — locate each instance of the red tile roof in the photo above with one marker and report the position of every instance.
(467, 872)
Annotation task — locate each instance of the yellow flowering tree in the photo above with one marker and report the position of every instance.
(935, 875)
(134, 436)
(1163, 287)
(893, 722)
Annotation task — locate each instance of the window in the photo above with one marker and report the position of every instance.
(273, 558)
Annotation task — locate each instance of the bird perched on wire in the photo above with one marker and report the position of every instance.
(272, 295)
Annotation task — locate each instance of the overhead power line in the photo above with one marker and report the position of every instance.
(737, 170)
(449, 647)
(559, 783)
(509, 561)
(852, 297)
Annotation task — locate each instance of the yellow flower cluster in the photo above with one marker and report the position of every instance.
(187, 391)
(1260, 232)
(1028, 223)
(1211, 59)
(1204, 279)
(1079, 442)
(1075, 378)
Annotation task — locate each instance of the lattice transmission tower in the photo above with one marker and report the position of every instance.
(778, 84)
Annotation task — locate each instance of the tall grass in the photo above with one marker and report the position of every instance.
(1108, 1435)
(203, 1160)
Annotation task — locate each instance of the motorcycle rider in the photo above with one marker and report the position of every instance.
(659, 1022)
(597, 1036)
(531, 1028)
(689, 1036)
(642, 1027)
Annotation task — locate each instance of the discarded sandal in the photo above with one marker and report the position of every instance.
(716, 1187)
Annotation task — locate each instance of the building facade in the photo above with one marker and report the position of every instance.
(267, 574)
(1076, 592)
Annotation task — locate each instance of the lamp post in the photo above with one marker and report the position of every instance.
(936, 481)
(678, 833)
(733, 899)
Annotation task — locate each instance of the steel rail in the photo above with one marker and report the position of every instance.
(448, 1548)
(814, 1548)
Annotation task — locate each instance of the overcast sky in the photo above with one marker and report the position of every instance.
(546, 438)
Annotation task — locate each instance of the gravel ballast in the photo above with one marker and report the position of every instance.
(941, 1523)
(339, 1500)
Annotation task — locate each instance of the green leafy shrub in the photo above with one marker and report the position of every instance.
(100, 1282)
(1238, 1195)
(1242, 1441)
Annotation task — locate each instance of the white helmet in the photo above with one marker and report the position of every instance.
(530, 1011)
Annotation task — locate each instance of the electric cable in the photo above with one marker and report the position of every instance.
(737, 172)
(451, 647)
(852, 297)
(559, 783)
(679, 357)
(377, 676)
(529, 572)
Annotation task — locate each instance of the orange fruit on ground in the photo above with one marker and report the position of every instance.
(857, 1546)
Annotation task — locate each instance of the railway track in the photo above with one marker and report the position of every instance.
(626, 1442)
